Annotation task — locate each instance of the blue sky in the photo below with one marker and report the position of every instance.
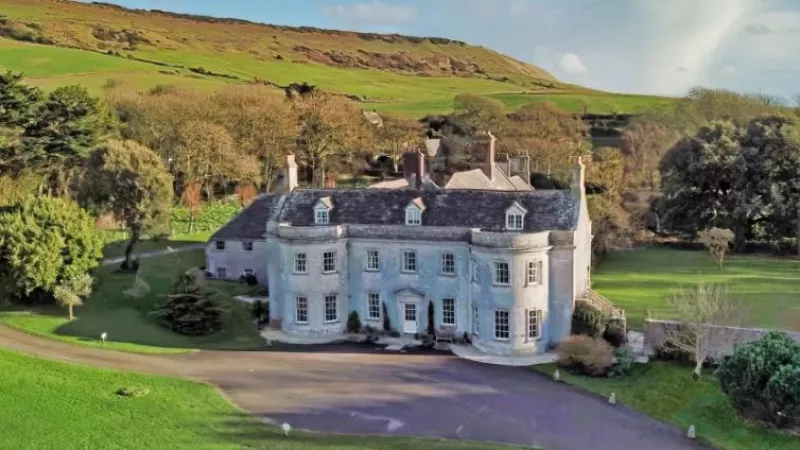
(639, 46)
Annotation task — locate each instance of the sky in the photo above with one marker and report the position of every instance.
(660, 47)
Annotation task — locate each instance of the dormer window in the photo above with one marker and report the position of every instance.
(414, 212)
(322, 211)
(515, 217)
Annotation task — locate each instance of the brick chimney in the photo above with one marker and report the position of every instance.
(414, 168)
(483, 154)
(578, 178)
(290, 175)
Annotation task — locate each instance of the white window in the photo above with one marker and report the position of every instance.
(534, 326)
(413, 216)
(534, 275)
(301, 310)
(502, 330)
(409, 261)
(329, 262)
(248, 272)
(501, 273)
(248, 246)
(321, 216)
(373, 260)
(476, 324)
(331, 308)
(448, 264)
(220, 245)
(513, 220)
(222, 273)
(300, 263)
(448, 311)
(374, 306)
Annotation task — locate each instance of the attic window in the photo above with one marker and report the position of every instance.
(414, 212)
(322, 211)
(515, 217)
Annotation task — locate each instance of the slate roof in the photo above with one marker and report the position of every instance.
(547, 210)
(250, 224)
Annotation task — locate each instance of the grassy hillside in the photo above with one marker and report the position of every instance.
(58, 42)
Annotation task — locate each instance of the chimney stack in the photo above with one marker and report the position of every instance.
(414, 168)
(484, 158)
(578, 178)
(290, 175)
(519, 165)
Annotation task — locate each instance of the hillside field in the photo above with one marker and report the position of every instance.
(92, 44)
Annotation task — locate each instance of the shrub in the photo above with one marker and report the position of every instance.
(585, 355)
(762, 380)
(625, 359)
(615, 333)
(250, 279)
(192, 311)
(353, 322)
(668, 352)
(588, 320)
(387, 324)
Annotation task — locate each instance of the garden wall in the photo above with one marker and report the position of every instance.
(655, 335)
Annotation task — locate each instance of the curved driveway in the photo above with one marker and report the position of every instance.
(365, 391)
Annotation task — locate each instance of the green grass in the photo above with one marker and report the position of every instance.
(642, 279)
(55, 405)
(126, 319)
(595, 102)
(668, 393)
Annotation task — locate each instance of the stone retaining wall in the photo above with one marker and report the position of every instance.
(655, 335)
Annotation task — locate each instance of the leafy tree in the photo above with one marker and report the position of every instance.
(762, 380)
(130, 180)
(19, 106)
(69, 124)
(45, 242)
(644, 141)
(709, 320)
(397, 135)
(717, 241)
(72, 291)
(480, 113)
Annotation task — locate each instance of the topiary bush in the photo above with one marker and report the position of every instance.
(624, 359)
(615, 334)
(353, 322)
(762, 380)
(585, 355)
(588, 320)
(387, 324)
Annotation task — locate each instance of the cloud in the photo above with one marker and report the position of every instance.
(728, 70)
(377, 13)
(571, 63)
(757, 29)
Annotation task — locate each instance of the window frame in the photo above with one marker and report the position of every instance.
(495, 275)
(498, 317)
(247, 246)
(533, 273)
(326, 310)
(536, 314)
(414, 219)
(222, 273)
(297, 309)
(332, 261)
(518, 222)
(220, 245)
(377, 297)
(321, 212)
(446, 313)
(377, 254)
(297, 259)
(448, 263)
(404, 267)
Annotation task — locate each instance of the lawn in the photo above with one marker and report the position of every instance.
(641, 280)
(55, 405)
(668, 393)
(126, 319)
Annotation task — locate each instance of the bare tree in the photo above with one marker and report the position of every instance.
(708, 322)
(717, 241)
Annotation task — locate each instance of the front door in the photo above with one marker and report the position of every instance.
(409, 317)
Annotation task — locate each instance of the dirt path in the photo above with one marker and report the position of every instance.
(353, 390)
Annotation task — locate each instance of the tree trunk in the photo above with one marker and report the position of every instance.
(191, 222)
(71, 315)
(131, 244)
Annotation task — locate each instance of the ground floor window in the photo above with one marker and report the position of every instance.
(502, 329)
(301, 310)
(222, 273)
(534, 323)
(374, 306)
(331, 308)
(448, 311)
